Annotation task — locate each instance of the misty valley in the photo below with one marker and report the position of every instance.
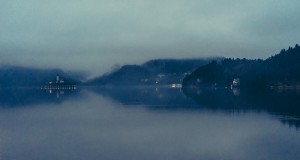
(149, 80)
(210, 108)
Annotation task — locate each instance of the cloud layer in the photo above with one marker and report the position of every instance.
(97, 34)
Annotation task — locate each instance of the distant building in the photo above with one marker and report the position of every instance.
(59, 84)
(236, 82)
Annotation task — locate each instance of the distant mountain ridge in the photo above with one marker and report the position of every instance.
(280, 69)
(153, 72)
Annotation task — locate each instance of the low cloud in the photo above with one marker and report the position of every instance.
(95, 35)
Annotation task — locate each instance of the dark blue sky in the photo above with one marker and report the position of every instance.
(94, 35)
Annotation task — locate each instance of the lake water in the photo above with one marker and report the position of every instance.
(148, 124)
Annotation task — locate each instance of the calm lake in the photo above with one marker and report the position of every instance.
(149, 124)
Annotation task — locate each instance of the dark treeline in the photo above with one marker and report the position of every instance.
(280, 69)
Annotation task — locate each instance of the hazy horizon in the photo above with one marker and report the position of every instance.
(95, 36)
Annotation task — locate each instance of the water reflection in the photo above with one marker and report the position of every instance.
(292, 122)
(154, 97)
(95, 127)
(281, 104)
(20, 97)
(146, 123)
(284, 104)
(60, 93)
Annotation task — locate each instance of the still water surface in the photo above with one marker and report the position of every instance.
(148, 124)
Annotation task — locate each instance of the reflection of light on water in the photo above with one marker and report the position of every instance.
(236, 91)
(58, 92)
(175, 85)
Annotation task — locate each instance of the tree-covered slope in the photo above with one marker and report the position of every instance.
(282, 68)
(154, 72)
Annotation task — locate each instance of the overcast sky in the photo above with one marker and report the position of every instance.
(94, 35)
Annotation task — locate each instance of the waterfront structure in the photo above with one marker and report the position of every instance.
(236, 82)
(59, 84)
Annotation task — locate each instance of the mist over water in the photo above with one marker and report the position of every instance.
(44, 116)
(89, 124)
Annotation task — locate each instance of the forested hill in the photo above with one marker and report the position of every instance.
(12, 76)
(280, 69)
(154, 72)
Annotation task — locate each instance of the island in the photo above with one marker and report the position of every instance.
(59, 84)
